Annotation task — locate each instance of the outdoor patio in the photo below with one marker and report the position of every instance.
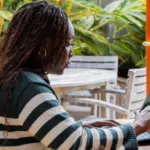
(107, 75)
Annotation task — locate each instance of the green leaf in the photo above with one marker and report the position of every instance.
(69, 6)
(6, 15)
(123, 4)
(27, 1)
(138, 15)
(133, 20)
(141, 62)
(112, 6)
(121, 48)
(87, 22)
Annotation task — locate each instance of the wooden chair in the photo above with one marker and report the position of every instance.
(95, 62)
(91, 101)
(133, 96)
(92, 62)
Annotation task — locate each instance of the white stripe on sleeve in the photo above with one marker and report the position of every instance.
(71, 139)
(83, 140)
(120, 138)
(52, 134)
(33, 103)
(96, 139)
(41, 120)
(109, 138)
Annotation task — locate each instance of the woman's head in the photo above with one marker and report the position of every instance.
(38, 38)
(61, 57)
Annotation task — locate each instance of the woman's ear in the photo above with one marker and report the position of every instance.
(47, 44)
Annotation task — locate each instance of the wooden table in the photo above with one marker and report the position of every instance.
(75, 79)
(80, 79)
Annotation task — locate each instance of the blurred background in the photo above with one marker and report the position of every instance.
(103, 27)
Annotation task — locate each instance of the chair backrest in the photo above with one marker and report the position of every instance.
(95, 62)
(135, 90)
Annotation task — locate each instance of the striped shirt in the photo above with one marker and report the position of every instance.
(37, 121)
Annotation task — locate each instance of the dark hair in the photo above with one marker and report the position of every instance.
(30, 26)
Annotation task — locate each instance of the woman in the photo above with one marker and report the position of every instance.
(38, 41)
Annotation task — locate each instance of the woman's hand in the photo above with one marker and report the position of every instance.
(142, 121)
(97, 123)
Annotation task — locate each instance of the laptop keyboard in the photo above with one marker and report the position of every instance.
(144, 138)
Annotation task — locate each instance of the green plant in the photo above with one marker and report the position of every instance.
(129, 16)
(92, 26)
(10, 7)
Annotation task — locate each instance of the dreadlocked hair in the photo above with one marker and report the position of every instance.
(30, 26)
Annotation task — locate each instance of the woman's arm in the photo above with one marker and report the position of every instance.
(142, 121)
(40, 114)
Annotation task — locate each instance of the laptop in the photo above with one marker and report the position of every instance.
(144, 138)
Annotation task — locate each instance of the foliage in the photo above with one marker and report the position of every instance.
(9, 8)
(118, 29)
(95, 37)
(130, 17)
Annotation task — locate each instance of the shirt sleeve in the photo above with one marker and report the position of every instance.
(41, 114)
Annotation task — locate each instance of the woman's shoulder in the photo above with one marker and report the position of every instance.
(30, 86)
(27, 79)
(30, 77)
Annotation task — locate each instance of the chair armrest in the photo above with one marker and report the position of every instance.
(113, 91)
(92, 101)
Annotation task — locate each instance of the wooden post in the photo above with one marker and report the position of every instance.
(148, 47)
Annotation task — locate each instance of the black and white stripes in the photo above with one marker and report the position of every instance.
(43, 124)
